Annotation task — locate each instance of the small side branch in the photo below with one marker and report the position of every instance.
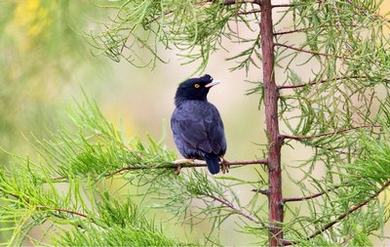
(290, 31)
(306, 138)
(304, 29)
(235, 209)
(231, 2)
(64, 210)
(320, 82)
(173, 166)
(283, 5)
(261, 191)
(250, 12)
(342, 216)
(304, 198)
(188, 165)
(306, 51)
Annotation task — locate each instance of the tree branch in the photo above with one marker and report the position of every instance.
(342, 216)
(307, 51)
(283, 5)
(298, 199)
(320, 82)
(261, 191)
(169, 165)
(250, 12)
(303, 138)
(235, 209)
(225, 2)
(188, 165)
(231, 2)
(64, 210)
(291, 31)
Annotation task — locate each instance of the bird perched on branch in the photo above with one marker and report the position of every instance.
(196, 124)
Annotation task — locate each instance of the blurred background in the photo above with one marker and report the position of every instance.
(46, 62)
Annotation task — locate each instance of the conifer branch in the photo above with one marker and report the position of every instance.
(187, 165)
(255, 11)
(291, 31)
(261, 191)
(305, 138)
(304, 198)
(320, 82)
(65, 210)
(283, 5)
(342, 216)
(235, 209)
(237, 163)
(315, 53)
(231, 2)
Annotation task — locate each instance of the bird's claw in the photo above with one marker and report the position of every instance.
(225, 165)
(180, 162)
(177, 170)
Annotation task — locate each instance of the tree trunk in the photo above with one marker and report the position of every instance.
(271, 95)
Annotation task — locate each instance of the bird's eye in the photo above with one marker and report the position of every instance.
(196, 85)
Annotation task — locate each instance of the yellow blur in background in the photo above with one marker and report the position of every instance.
(32, 17)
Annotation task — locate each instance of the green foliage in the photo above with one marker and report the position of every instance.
(42, 51)
(97, 148)
(196, 28)
(30, 193)
(120, 224)
(333, 115)
(358, 182)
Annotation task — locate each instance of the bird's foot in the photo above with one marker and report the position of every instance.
(225, 165)
(180, 162)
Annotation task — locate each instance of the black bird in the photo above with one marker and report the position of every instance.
(196, 124)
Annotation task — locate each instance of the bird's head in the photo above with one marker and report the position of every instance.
(195, 88)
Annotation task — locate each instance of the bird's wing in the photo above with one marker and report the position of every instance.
(215, 132)
(193, 133)
(200, 128)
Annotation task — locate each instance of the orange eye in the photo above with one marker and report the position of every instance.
(196, 85)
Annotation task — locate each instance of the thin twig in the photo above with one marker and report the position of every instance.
(292, 31)
(173, 166)
(249, 12)
(47, 208)
(320, 82)
(298, 199)
(261, 191)
(305, 29)
(64, 210)
(342, 216)
(303, 138)
(187, 165)
(235, 209)
(315, 53)
(282, 5)
(231, 2)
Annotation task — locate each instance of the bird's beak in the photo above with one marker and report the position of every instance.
(213, 83)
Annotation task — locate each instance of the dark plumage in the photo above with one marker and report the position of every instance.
(196, 124)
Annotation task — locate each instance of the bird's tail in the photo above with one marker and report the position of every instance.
(212, 161)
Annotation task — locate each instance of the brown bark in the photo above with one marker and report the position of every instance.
(275, 200)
